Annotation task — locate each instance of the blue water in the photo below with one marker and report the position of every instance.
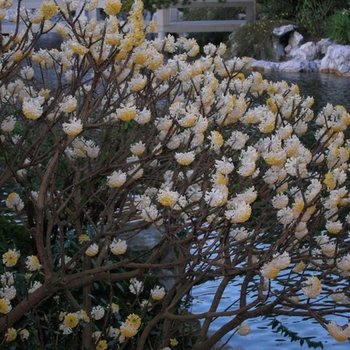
(325, 88)
(262, 336)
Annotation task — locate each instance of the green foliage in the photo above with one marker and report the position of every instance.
(338, 27)
(294, 337)
(309, 14)
(12, 233)
(278, 9)
(210, 14)
(254, 39)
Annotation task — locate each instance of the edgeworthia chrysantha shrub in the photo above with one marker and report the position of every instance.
(113, 134)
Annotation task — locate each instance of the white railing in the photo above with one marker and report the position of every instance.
(169, 21)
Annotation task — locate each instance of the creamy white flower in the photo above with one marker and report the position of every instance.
(285, 215)
(150, 214)
(138, 148)
(65, 329)
(344, 263)
(34, 287)
(241, 212)
(14, 202)
(243, 329)
(281, 261)
(239, 234)
(312, 288)
(224, 166)
(8, 124)
(73, 128)
(32, 108)
(157, 293)
(118, 247)
(217, 196)
(97, 312)
(7, 279)
(338, 296)
(185, 158)
(136, 287)
(68, 105)
(116, 179)
(92, 250)
(280, 201)
(8, 292)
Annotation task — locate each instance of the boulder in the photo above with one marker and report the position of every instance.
(295, 40)
(280, 31)
(307, 51)
(298, 65)
(322, 46)
(336, 60)
(261, 65)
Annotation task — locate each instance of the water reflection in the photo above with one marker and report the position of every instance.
(325, 88)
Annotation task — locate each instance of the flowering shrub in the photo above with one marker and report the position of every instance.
(113, 134)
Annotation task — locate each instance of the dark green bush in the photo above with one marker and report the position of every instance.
(254, 39)
(338, 27)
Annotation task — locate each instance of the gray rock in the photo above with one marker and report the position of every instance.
(280, 31)
(298, 65)
(336, 60)
(264, 65)
(295, 40)
(49, 41)
(322, 45)
(307, 51)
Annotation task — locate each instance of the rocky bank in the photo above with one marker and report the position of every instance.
(293, 54)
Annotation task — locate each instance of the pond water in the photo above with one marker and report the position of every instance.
(325, 88)
(262, 337)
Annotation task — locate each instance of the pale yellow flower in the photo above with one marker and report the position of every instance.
(115, 308)
(167, 197)
(48, 9)
(14, 202)
(33, 263)
(5, 306)
(10, 258)
(269, 270)
(133, 320)
(71, 320)
(299, 267)
(102, 345)
(112, 7)
(11, 334)
(173, 342)
(127, 113)
(216, 140)
(338, 333)
(78, 48)
(127, 331)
